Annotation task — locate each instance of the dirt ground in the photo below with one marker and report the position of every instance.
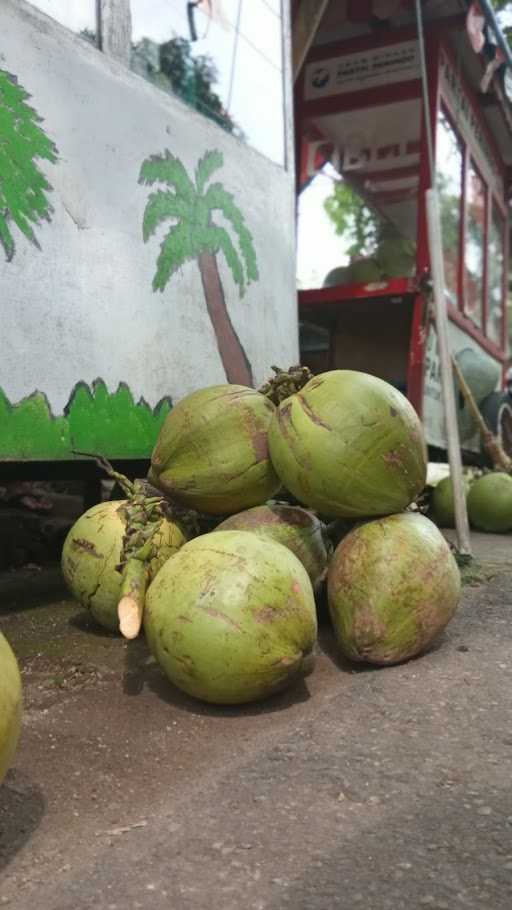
(359, 788)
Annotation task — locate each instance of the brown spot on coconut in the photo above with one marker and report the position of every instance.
(227, 654)
(294, 527)
(344, 454)
(10, 705)
(393, 585)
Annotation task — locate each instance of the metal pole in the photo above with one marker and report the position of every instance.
(447, 385)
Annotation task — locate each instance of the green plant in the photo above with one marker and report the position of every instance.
(353, 219)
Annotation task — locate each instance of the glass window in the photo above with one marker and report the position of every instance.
(474, 252)
(449, 186)
(357, 208)
(222, 58)
(495, 276)
(80, 17)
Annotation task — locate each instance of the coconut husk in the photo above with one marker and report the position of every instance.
(285, 383)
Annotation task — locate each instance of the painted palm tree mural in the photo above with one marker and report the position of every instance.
(193, 235)
(22, 185)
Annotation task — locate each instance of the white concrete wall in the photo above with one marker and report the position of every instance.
(82, 306)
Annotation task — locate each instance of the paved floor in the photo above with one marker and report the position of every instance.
(375, 789)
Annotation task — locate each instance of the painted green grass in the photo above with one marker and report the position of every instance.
(95, 421)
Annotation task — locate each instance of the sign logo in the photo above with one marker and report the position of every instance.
(362, 70)
(320, 77)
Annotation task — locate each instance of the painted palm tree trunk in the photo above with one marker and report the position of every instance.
(234, 359)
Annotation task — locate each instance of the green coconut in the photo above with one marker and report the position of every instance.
(294, 527)
(92, 550)
(349, 445)
(396, 257)
(10, 705)
(442, 503)
(480, 371)
(365, 271)
(231, 618)
(482, 375)
(337, 276)
(393, 585)
(490, 503)
(212, 454)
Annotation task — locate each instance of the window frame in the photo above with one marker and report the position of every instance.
(491, 199)
(496, 189)
(445, 111)
(494, 205)
(471, 163)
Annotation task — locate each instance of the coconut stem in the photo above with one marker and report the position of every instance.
(285, 383)
(130, 608)
(142, 513)
(492, 445)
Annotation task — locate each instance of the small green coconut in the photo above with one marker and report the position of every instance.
(10, 705)
(349, 445)
(442, 502)
(212, 453)
(365, 271)
(294, 527)
(231, 618)
(393, 585)
(92, 550)
(337, 276)
(490, 503)
(396, 257)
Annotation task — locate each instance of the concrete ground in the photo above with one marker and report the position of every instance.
(378, 789)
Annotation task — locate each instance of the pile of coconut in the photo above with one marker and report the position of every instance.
(255, 503)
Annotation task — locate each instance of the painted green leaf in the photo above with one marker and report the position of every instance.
(210, 162)
(219, 239)
(217, 198)
(23, 186)
(160, 206)
(168, 169)
(175, 250)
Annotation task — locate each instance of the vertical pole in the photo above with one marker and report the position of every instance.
(233, 59)
(447, 385)
(116, 29)
(441, 318)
